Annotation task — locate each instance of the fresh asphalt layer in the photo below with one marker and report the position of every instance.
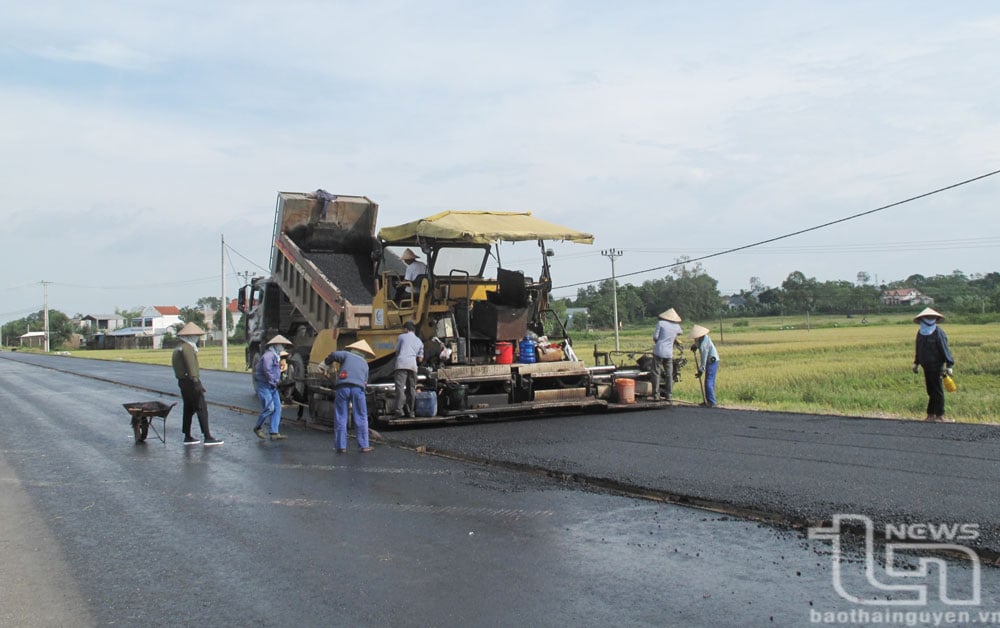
(794, 468)
(502, 527)
(798, 468)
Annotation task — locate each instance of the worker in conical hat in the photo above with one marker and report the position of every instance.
(928, 313)
(708, 362)
(349, 385)
(415, 269)
(362, 348)
(190, 329)
(664, 338)
(185, 364)
(934, 356)
(266, 377)
(670, 315)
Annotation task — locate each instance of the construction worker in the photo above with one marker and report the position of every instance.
(349, 385)
(934, 356)
(267, 376)
(409, 354)
(664, 338)
(708, 362)
(185, 363)
(414, 270)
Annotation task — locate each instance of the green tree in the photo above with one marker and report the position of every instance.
(60, 328)
(217, 319)
(800, 292)
(690, 290)
(193, 315)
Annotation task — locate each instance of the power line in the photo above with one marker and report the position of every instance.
(253, 263)
(165, 284)
(882, 246)
(793, 233)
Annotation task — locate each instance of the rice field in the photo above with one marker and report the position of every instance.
(847, 369)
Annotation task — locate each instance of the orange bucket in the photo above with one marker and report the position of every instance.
(505, 352)
(626, 390)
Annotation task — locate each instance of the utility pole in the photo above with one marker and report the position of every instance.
(45, 312)
(225, 310)
(612, 254)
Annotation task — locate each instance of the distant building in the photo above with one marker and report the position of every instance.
(905, 296)
(132, 338)
(33, 339)
(94, 323)
(215, 334)
(734, 302)
(146, 330)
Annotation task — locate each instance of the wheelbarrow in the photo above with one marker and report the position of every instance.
(143, 413)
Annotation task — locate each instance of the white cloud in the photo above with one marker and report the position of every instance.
(655, 126)
(100, 52)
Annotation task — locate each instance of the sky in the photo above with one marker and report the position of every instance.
(136, 136)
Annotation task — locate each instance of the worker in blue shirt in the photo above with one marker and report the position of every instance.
(266, 376)
(708, 361)
(409, 354)
(349, 382)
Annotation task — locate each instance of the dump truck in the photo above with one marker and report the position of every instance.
(493, 347)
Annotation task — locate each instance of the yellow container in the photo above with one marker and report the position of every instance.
(949, 384)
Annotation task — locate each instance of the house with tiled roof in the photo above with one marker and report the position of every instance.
(905, 296)
(147, 329)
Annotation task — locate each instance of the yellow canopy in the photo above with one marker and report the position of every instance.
(481, 227)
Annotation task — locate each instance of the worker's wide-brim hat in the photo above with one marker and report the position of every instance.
(191, 330)
(362, 346)
(283, 354)
(928, 312)
(698, 331)
(279, 340)
(671, 315)
(408, 256)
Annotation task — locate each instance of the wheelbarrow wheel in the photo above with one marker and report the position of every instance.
(140, 428)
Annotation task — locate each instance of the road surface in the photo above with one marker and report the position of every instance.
(516, 523)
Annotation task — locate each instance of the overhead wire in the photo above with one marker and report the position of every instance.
(788, 235)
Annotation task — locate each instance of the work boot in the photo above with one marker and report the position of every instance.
(277, 436)
(260, 433)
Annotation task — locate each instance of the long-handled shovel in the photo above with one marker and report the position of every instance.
(704, 395)
(701, 381)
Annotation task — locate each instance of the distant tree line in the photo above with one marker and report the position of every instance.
(695, 295)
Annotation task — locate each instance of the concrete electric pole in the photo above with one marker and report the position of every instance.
(612, 254)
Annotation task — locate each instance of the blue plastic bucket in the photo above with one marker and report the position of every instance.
(425, 403)
(527, 351)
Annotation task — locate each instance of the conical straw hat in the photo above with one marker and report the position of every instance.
(191, 330)
(363, 346)
(928, 312)
(698, 331)
(279, 340)
(671, 315)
